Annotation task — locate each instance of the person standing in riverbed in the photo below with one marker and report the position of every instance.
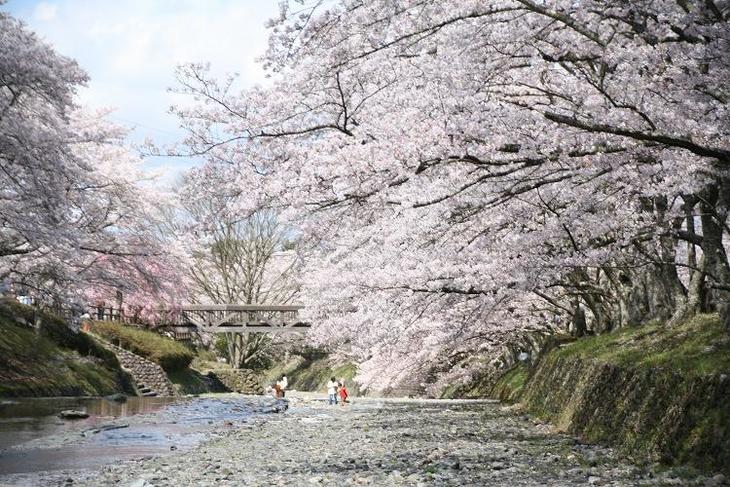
(343, 393)
(332, 391)
(281, 387)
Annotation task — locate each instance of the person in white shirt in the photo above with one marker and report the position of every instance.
(332, 391)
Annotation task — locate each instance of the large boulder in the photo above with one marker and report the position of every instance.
(278, 406)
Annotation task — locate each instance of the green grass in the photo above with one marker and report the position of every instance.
(510, 385)
(700, 346)
(312, 372)
(168, 353)
(51, 360)
(188, 381)
(655, 392)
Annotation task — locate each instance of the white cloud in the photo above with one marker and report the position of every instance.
(131, 48)
(45, 11)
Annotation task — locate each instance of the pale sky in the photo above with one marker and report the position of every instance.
(130, 48)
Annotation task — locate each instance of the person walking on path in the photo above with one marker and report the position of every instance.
(332, 391)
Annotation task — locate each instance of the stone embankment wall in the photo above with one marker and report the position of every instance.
(652, 414)
(519, 352)
(150, 379)
(243, 381)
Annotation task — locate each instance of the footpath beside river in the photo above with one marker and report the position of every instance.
(379, 442)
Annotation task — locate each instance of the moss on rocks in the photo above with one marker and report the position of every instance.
(244, 381)
(488, 371)
(509, 387)
(191, 381)
(658, 393)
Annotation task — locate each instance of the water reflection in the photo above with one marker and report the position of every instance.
(30, 429)
(25, 419)
(38, 407)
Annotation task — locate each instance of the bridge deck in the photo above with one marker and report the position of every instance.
(240, 318)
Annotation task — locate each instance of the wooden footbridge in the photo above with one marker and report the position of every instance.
(182, 322)
(246, 318)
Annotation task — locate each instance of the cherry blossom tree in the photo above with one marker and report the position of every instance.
(75, 219)
(465, 171)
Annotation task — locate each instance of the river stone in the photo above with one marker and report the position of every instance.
(73, 414)
(279, 406)
(716, 481)
(120, 398)
(324, 445)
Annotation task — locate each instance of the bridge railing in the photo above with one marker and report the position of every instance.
(242, 317)
(183, 322)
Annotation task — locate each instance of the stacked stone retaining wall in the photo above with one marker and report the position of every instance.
(150, 379)
(652, 414)
(243, 381)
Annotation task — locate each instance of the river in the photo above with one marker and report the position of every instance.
(33, 437)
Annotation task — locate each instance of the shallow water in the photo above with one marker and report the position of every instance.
(25, 419)
(33, 438)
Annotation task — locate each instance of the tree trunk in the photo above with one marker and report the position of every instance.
(690, 202)
(579, 321)
(715, 206)
(694, 302)
(235, 349)
(664, 287)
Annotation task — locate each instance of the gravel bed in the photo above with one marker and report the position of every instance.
(381, 442)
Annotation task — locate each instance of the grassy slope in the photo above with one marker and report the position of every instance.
(189, 381)
(51, 360)
(656, 392)
(696, 348)
(304, 374)
(509, 386)
(312, 374)
(171, 355)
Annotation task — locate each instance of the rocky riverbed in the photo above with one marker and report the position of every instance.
(379, 442)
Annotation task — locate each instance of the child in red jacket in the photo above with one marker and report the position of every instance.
(343, 392)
